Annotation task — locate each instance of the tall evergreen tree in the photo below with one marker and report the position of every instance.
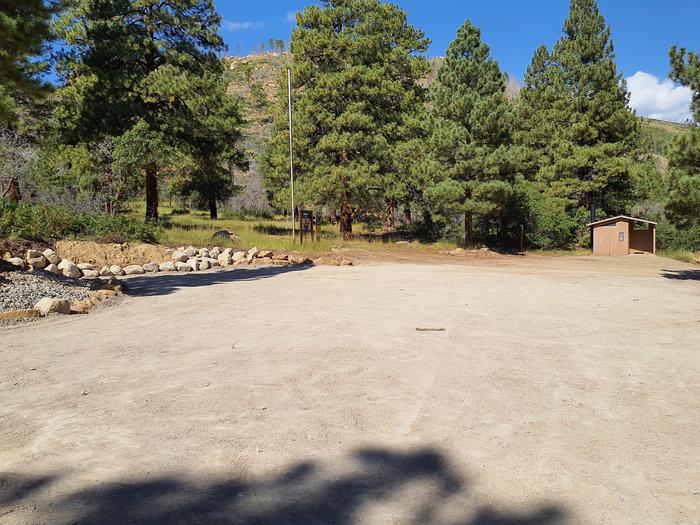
(24, 32)
(214, 133)
(130, 61)
(356, 67)
(583, 139)
(470, 130)
(683, 208)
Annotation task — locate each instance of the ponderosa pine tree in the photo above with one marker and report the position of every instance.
(135, 61)
(683, 208)
(213, 136)
(583, 138)
(470, 131)
(356, 66)
(24, 29)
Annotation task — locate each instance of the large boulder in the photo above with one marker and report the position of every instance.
(167, 267)
(183, 267)
(18, 262)
(194, 263)
(90, 274)
(295, 258)
(69, 269)
(86, 266)
(36, 259)
(105, 272)
(179, 256)
(51, 256)
(204, 264)
(116, 270)
(151, 267)
(262, 261)
(252, 253)
(280, 257)
(225, 234)
(224, 259)
(190, 251)
(237, 256)
(264, 253)
(134, 269)
(213, 263)
(203, 252)
(51, 305)
(52, 268)
(214, 252)
(327, 261)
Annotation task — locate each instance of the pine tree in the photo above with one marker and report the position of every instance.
(24, 31)
(470, 131)
(214, 133)
(577, 133)
(683, 208)
(128, 61)
(356, 69)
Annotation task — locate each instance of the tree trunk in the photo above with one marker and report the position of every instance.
(151, 194)
(345, 221)
(212, 208)
(408, 216)
(468, 229)
(389, 224)
(12, 192)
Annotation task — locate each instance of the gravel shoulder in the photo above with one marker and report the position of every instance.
(563, 390)
(22, 290)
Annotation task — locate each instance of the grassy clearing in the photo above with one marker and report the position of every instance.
(196, 229)
(678, 255)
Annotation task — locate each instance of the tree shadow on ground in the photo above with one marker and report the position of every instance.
(681, 275)
(307, 493)
(167, 283)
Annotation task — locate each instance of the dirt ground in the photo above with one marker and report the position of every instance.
(562, 390)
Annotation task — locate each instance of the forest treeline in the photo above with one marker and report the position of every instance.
(142, 106)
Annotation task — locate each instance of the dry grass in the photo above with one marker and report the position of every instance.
(196, 229)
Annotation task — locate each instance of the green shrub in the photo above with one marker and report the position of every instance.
(245, 214)
(42, 222)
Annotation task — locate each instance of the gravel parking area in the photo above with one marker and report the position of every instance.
(561, 390)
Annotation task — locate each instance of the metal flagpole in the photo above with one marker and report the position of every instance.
(291, 158)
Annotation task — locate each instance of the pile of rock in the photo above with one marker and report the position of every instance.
(49, 261)
(191, 259)
(461, 252)
(184, 259)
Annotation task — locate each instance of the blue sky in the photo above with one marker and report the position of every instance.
(643, 32)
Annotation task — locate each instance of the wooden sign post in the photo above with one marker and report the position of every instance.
(307, 225)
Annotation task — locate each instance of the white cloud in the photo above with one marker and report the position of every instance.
(659, 99)
(291, 17)
(242, 26)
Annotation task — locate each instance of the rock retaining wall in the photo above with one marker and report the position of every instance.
(93, 260)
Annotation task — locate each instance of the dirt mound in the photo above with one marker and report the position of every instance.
(108, 254)
(19, 247)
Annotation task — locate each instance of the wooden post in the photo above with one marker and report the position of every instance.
(522, 238)
(301, 226)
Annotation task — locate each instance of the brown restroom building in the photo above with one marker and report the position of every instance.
(623, 235)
